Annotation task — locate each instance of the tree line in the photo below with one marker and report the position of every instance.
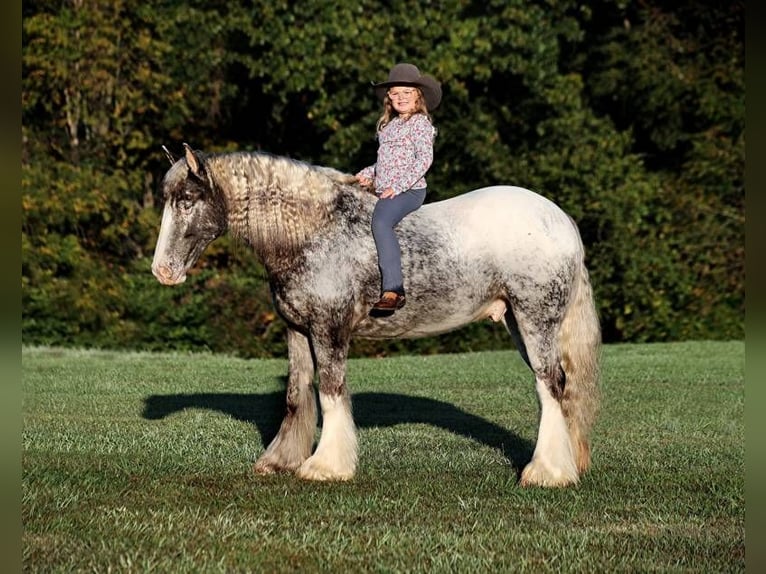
(629, 114)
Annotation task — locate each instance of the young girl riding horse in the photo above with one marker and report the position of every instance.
(405, 153)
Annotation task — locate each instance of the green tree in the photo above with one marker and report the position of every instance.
(672, 75)
(630, 115)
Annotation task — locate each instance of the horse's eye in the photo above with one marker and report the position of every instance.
(185, 200)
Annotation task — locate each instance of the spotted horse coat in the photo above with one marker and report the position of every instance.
(501, 252)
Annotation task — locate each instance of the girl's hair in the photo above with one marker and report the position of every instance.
(389, 113)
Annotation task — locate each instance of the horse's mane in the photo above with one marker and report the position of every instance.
(276, 203)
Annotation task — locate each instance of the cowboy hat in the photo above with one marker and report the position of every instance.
(409, 75)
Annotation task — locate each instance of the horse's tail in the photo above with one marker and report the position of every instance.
(580, 345)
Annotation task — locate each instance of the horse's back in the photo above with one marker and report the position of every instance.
(506, 219)
(467, 257)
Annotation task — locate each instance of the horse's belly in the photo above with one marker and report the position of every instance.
(381, 329)
(423, 320)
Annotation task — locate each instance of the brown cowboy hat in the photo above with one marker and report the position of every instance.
(409, 75)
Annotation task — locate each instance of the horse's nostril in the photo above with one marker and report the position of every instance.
(161, 271)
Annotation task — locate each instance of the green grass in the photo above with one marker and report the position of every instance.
(141, 462)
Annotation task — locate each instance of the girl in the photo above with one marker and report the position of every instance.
(405, 152)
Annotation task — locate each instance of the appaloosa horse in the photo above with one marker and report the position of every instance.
(502, 252)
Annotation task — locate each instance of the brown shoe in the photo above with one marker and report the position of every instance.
(390, 301)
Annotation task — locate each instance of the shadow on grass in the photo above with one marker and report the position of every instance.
(265, 412)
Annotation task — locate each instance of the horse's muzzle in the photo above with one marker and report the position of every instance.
(165, 275)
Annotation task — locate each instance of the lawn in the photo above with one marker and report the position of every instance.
(142, 462)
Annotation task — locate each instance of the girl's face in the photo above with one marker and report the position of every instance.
(403, 98)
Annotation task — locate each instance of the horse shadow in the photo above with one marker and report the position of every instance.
(371, 410)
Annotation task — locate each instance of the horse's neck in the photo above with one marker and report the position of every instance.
(273, 203)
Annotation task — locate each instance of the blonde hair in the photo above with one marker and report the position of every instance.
(389, 113)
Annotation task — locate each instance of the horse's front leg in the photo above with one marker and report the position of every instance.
(292, 445)
(335, 457)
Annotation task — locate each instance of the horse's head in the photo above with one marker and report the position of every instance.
(194, 215)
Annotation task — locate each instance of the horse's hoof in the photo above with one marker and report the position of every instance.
(263, 469)
(313, 470)
(537, 474)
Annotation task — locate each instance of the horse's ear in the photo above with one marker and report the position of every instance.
(169, 155)
(194, 162)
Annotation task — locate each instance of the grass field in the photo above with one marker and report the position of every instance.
(138, 462)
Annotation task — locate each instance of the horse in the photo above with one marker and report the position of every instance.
(503, 253)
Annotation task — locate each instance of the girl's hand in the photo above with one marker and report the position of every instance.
(387, 193)
(364, 181)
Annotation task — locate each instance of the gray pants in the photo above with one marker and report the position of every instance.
(387, 213)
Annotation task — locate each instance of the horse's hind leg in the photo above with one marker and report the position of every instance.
(513, 330)
(553, 462)
(292, 445)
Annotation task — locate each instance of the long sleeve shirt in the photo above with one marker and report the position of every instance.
(405, 153)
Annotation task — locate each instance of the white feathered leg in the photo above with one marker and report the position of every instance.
(335, 457)
(553, 462)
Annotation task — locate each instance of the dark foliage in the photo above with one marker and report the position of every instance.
(628, 114)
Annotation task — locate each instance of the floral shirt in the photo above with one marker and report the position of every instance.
(405, 152)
